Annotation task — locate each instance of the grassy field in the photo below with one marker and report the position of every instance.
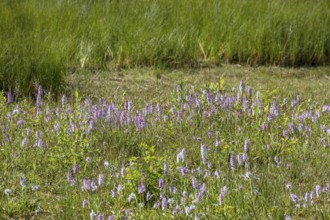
(40, 41)
(156, 85)
(161, 110)
(180, 144)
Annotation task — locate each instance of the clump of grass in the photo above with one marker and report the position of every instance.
(27, 57)
(23, 68)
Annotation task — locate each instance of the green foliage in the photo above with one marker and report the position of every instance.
(42, 40)
(147, 168)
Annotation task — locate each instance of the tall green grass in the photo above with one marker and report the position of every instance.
(43, 39)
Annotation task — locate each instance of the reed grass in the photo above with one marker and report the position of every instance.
(42, 40)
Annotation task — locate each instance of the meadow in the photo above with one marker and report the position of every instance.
(191, 147)
(164, 109)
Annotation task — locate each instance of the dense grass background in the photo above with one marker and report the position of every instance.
(41, 40)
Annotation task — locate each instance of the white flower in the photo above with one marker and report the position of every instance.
(181, 157)
(92, 215)
(7, 192)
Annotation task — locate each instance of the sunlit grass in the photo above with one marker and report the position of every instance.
(204, 151)
(42, 40)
